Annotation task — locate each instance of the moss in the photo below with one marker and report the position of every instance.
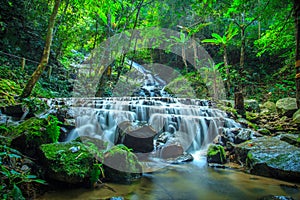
(29, 135)
(121, 165)
(8, 90)
(128, 158)
(44, 129)
(252, 117)
(249, 159)
(62, 159)
(216, 154)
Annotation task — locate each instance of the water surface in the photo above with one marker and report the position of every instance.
(187, 181)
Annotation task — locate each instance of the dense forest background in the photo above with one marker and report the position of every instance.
(252, 42)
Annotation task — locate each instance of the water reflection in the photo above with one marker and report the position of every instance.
(187, 181)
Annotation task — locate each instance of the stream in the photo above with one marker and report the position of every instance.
(192, 123)
(193, 180)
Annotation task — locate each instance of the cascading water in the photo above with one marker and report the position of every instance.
(193, 123)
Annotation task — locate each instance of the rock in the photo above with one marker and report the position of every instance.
(63, 165)
(170, 150)
(264, 131)
(270, 157)
(237, 135)
(138, 138)
(121, 165)
(243, 135)
(186, 157)
(286, 106)
(291, 139)
(268, 108)
(296, 117)
(32, 133)
(252, 105)
(216, 154)
(273, 197)
(14, 110)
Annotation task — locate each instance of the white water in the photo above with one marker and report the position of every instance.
(192, 122)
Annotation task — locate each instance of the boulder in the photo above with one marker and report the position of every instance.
(216, 154)
(170, 150)
(17, 110)
(71, 163)
(251, 105)
(286, 106)
(32, 133)
(121, 165)
(268, 107)
(270, 157)
(138, 138)
(296, 117)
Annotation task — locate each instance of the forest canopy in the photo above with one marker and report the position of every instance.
(252, 42)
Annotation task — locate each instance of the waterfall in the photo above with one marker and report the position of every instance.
(190, 123)
(193, 122)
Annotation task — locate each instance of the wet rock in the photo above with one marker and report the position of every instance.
(216, 154)
(270, 157)
(243, 135)
(186, 157)
(138, 138)
(237, 135)
(273, 197)
(121, 165)
(286, 106)
(171, 149)
(291, 139)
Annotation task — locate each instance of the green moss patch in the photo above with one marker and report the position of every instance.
(68, 162)
(216, 154)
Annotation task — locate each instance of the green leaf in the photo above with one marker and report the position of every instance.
(17, 193)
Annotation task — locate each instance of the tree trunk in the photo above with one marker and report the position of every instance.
(45, 57)
(243, 46)
(297, 53)
(239, 103)
(227, 70)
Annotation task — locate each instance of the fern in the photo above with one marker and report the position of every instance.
(53, 128)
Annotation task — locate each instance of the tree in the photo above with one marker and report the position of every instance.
(223, 42)
(297, 53)
(45, 57)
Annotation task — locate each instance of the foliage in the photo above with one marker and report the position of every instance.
(96, 173)
(82, 26)
(35, 105)
(12, 177)
(53, 128)
(8, 90)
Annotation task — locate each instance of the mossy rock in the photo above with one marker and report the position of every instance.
(30, 134)
(268, 107)
(68, 162)
(251, 105)
(8, 90)
(121, 165)
(286, 107)
(296, 117)
(216, 154)
(271, 157)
